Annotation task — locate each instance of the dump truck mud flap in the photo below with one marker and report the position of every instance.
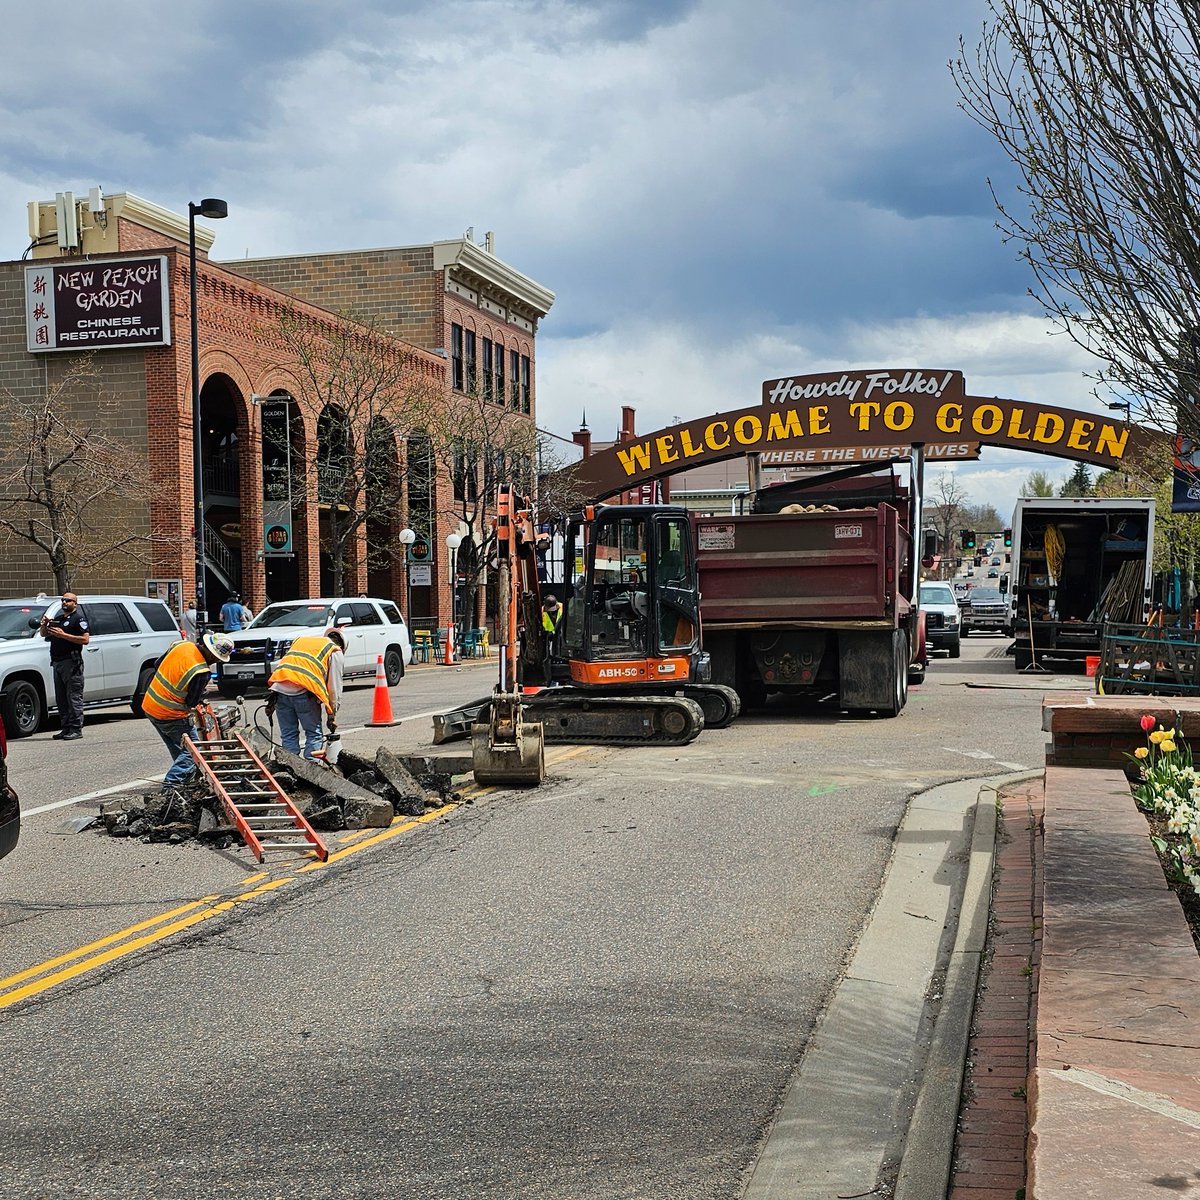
(869, 665)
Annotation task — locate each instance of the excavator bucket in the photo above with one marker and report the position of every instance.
(508, 751)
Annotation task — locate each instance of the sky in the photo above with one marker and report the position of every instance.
(718, 192)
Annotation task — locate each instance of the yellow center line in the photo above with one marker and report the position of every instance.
(400, 825)
(50, 964)
(571, 752)
(117, 945)
(111, 955)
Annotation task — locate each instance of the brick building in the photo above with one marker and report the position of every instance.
(464, 322)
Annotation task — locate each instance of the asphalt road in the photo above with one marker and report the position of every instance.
(596, 989)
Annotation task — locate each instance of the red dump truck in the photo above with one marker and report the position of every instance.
(813, 593)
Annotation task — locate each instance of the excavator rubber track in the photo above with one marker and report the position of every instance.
(573, 717)
(720, 704)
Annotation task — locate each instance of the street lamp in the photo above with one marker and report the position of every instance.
(213, 210)
(453, 541)
(406, 537)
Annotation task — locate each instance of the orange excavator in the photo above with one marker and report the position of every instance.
(625, 665)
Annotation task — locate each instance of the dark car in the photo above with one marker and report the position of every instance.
(10, 809)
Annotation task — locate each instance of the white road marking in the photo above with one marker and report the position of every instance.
(133, 785)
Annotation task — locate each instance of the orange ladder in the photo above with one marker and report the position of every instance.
(250, 795)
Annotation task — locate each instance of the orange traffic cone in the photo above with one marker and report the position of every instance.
(450, 660)
(381, 713)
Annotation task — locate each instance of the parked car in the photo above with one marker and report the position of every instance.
(129, 634)
(986, 612)
(941, 618)
(372, 627)
(10, 808)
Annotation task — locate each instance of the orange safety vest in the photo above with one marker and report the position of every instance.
(166, 697)
(306, 664)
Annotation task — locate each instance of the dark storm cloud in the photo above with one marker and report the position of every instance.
(748, 188)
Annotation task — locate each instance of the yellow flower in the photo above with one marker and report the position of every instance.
(1166, 746)
(1141, 752)
(1158, 735)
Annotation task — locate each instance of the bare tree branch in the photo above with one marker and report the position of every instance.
(366, 390)
(1097, 103)
(64, 484)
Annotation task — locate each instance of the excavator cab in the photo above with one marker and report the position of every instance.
(634, 617)
(626, 650)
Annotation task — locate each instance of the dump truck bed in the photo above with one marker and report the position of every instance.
(806, 568)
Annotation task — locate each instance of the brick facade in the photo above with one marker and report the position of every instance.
(396, 290)
(404, 293)
(417, 293)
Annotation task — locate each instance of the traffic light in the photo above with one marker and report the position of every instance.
(1008, 537)
(968, 539)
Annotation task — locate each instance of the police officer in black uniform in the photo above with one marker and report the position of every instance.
(67, 634)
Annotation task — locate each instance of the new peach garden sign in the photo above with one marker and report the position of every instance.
(855, 416)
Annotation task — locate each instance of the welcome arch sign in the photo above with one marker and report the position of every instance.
(845, 417)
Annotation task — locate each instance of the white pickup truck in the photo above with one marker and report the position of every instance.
(371, 627)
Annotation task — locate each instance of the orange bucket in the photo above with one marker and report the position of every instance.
(1091, 663)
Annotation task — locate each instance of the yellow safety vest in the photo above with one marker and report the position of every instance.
(306, 664)
(166, 697)
(550, 623)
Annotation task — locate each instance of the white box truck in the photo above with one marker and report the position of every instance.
(1077, 562)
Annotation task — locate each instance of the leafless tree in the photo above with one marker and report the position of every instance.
(65, 482)
(366, 387)
(947, 499)
(478, 444)
(983, 518)
(1097, 102)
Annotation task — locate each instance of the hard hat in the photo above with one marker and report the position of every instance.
(220, 646)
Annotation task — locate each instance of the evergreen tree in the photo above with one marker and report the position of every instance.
(1079, 483)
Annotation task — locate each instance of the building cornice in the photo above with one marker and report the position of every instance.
(161, 220)
(477, 268)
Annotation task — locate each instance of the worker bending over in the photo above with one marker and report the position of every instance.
(177, 688)
(306, 679)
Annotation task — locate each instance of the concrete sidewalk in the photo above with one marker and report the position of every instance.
(891, 1041)
(1021, 1018)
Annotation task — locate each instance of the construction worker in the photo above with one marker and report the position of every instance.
(306, 679)
(551, 616)
(178, 686)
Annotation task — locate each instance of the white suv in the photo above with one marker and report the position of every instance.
(129, 634)
(372, 627)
